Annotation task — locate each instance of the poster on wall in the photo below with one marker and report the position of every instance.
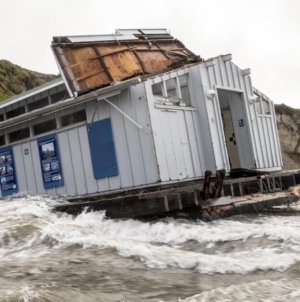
(50, 161)
(7, 172)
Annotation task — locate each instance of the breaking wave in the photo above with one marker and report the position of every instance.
(48, 256)
(225, 246)
(264, 291)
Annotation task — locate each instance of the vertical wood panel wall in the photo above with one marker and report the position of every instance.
(172, 144)
(268, 136)
(134, 150)
(176, 132)
(221, 73)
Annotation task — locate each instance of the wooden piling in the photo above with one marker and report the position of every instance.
(206, 184)
(220, 175)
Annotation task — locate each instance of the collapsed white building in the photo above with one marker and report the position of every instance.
(133, 110)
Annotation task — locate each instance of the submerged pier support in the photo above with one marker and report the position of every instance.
(219, 197)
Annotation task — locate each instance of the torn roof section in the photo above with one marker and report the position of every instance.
(92, 62)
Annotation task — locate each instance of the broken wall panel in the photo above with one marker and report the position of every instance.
(88, 64)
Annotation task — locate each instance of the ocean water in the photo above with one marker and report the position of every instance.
(46, 256)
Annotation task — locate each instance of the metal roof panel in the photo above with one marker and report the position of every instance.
(82, 39)
(143, 30)
(31, 92)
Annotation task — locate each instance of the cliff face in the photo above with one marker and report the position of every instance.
(15, 79)
(288, 124)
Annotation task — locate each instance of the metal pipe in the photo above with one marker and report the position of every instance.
(122, 112)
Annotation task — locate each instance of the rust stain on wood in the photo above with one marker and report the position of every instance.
(206, 184)
(220, 175)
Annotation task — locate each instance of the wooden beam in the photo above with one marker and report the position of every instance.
(105, 55)
(168, 192)
(141, 61)
(220, 175)
(103, 63)
(118, 51)
(89, 75)
(162, 50)
(205, 190)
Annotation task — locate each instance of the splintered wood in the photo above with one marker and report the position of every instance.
(295, 191)
(95, 64)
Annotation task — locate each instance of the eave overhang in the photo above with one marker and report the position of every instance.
(97, 94)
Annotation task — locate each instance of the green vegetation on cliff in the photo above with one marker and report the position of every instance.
(15, 79)
(288, 125)
(283, 109)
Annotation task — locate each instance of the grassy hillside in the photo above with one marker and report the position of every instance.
(15, 79)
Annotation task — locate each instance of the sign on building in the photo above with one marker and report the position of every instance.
(7, 172)
(50, 161)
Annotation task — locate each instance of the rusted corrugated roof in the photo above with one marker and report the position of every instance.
(91, 62)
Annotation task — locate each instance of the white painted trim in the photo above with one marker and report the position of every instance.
(228, 89)
(33, 138)
(32, 118)
(174, 107)
(270, 169)
(167, 76)
(264, 115)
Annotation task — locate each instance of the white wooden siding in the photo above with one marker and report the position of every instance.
(134, 150)
(173, 144)
(177, 139)
(221, 73)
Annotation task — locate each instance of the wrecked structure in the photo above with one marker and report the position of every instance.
(134, 110)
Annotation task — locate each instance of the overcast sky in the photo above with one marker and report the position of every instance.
(263, 35)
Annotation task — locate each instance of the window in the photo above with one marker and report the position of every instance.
(59, 96)
(266, 106)
(262, 106)
(15, 112)
(2, 140)
(73, 118)
(184, 89)
(257, 104)
(19, 134)
(173, 91)
(44, 127)
(38, 104)
(157, 90)
(1, 117)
